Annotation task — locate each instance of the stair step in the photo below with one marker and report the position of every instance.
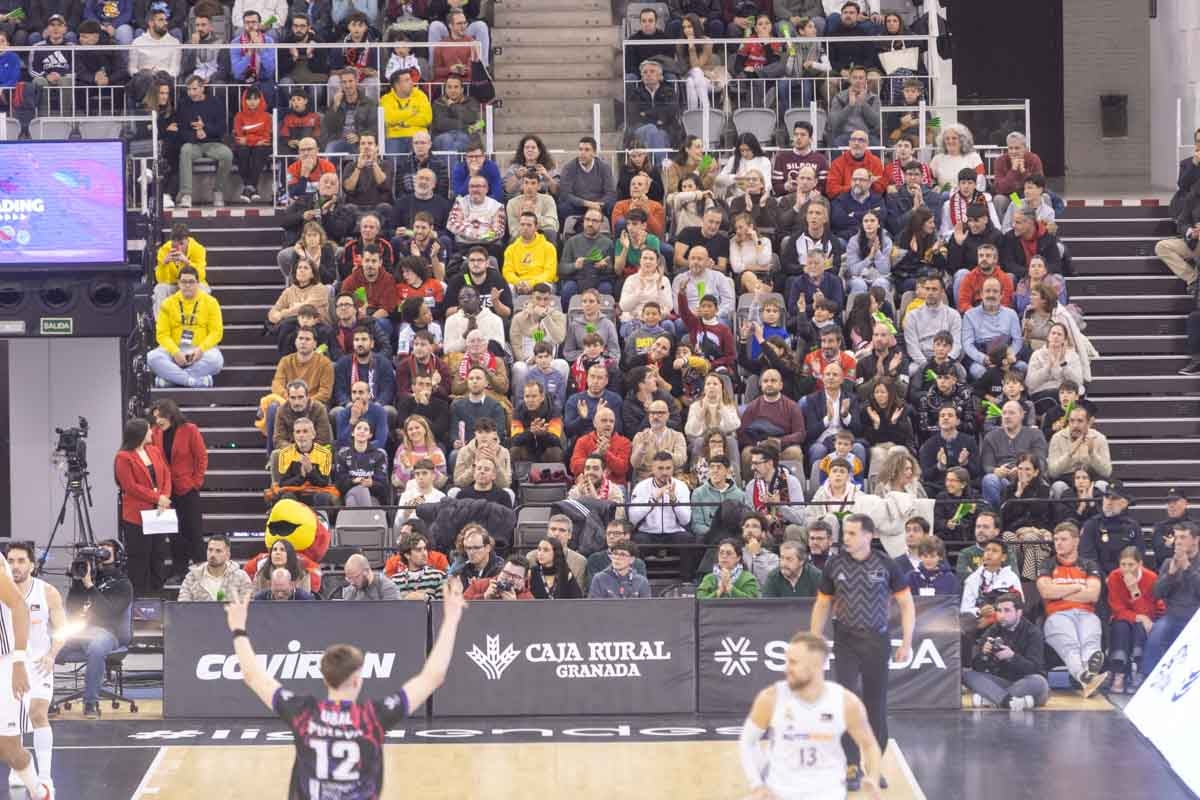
(1110, 246)
(1149, 384)
(1160, 469)
(217, 396)
(575, 71)
(1127, 285)
(509, 37)
(1116, 212)
(522, 108)
(246, 333)
(246, 435)
(509, 17)
(564, 122)
(549, 89)
(1120, 226)
(232, 502)
(1144, 303)
(1117, 366)
(560, 55)
(243, 355)
(263, 295)
(1132, 427)
(206, 416)
(246, 275)
(538, 8)
(241, 314)
(1175, 448)
(563, 145)
(233, 234)
(237, 479)
(231, 523)
(233, 256)
(256, 376)
(1118, 265)
(241, 458)
(1131, 324)
(1160, 407)
(1122, 345)
(1151, 489)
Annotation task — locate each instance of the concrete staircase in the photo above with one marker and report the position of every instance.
(558, 58)
(1136, 309)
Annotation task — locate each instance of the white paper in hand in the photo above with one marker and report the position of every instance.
(155, 522)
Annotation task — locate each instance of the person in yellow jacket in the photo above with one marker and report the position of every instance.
(406, 111)
(530, 259)
(189, 329)
(181, 250)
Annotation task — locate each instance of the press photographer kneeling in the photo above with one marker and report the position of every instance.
(99, 597)
(1008, 670)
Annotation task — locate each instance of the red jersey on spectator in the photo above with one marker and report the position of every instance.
(323, 165)
(1076, 572)
(815, 364)
(381, 293)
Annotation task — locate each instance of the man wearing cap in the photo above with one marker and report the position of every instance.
(1077, 445)
(1164, 530)
(50, 66)
(1106, 535)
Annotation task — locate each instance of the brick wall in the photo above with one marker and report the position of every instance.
(1105, 51)
(1174, 74)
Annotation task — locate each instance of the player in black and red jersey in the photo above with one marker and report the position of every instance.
(339, 740)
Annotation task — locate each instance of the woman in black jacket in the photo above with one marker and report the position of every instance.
(886, 424)
(1081, 502)
(360, 471)
(915, 250)
(550, 578)
(1024, 504)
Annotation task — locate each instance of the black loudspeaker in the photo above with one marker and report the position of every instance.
(85, 305)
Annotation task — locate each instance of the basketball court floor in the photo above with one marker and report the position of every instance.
(1074, 748)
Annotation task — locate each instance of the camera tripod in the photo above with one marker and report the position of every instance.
(79, 492)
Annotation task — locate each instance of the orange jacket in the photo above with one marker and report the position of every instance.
(838, 179)
(968, 292)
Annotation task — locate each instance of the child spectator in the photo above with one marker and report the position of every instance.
(943, 344)
(1012, 387)
(553, 382)
(692, 370)
(251, 142)
(710, 337)
(1055, 418)
(933, 575)
(415, 317)
(764, 321)
(843, 441)
(401, 57)
(298, 123)
(593, 353)
(639, 338)
(946, 390)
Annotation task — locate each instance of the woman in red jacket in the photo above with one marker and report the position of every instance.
(183, 447)
(1134, 609)
(145, 484)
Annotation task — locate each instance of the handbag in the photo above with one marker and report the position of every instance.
(482, 88)
(904, 58)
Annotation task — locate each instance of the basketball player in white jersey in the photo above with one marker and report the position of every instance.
(46, 615)
(14, 684)
(806, 716)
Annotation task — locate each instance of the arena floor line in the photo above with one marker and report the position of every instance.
(593, 770)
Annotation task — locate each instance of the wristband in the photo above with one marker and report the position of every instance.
(236, 632)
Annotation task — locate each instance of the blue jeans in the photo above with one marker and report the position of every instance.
(451, 140)
(91, 645)
(1126, 643)
(162, 365)
(397, 145)
(993, 489)
(654, 138)
(341, 146)
(1164, 633)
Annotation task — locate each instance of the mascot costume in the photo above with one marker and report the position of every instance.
(293, 522)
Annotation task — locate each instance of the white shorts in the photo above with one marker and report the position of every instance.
(41, 687)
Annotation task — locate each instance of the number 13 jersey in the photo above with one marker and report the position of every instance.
(806, 758)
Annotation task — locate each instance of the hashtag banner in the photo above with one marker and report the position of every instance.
(742, 644)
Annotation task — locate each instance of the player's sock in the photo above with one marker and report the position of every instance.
(30, 779)
(43, 746)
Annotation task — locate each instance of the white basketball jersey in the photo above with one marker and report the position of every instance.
(39, 619)
(806, 759)
(7, 637)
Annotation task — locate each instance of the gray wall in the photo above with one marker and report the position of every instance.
(1105, 51)
(1175, 73)
(52, 383)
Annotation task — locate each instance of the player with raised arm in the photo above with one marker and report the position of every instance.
(806, 716)
(339, 740)
(14, 684)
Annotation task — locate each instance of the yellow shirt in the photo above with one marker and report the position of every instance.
(406, 117)
(168, 271)
(532, 262)
(194, 322)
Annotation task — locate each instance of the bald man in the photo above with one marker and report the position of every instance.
(283, 588)
(364, 584)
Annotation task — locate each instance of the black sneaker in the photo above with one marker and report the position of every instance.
(853, 779)
(1192, 368)
(1096, 662)
(91, 710)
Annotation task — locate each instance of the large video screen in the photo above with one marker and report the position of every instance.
(62, 205)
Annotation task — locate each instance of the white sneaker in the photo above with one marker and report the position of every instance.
(1020, 703)
(167, 202)
(14, 780)
(184, 201)
(218, 200)
(977, 701)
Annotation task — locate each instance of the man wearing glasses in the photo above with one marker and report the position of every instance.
(481, 562)
(477, 163)
(188, 330)
(305, 173)
(508, 584)
(856, 156)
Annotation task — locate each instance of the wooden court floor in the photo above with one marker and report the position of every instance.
(583, 771)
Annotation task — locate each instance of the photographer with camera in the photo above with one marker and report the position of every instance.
(1008, 670)
(145, 482)
(508, 584)
(101, 594)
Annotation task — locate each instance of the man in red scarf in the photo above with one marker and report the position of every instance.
(1028, 238)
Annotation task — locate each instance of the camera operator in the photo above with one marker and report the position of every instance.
(508, 584)
(1008, 670)
(101, 593)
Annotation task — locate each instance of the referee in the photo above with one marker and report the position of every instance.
(857, 583)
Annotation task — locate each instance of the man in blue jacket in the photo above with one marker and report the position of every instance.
(202, 124)
(373, 369)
